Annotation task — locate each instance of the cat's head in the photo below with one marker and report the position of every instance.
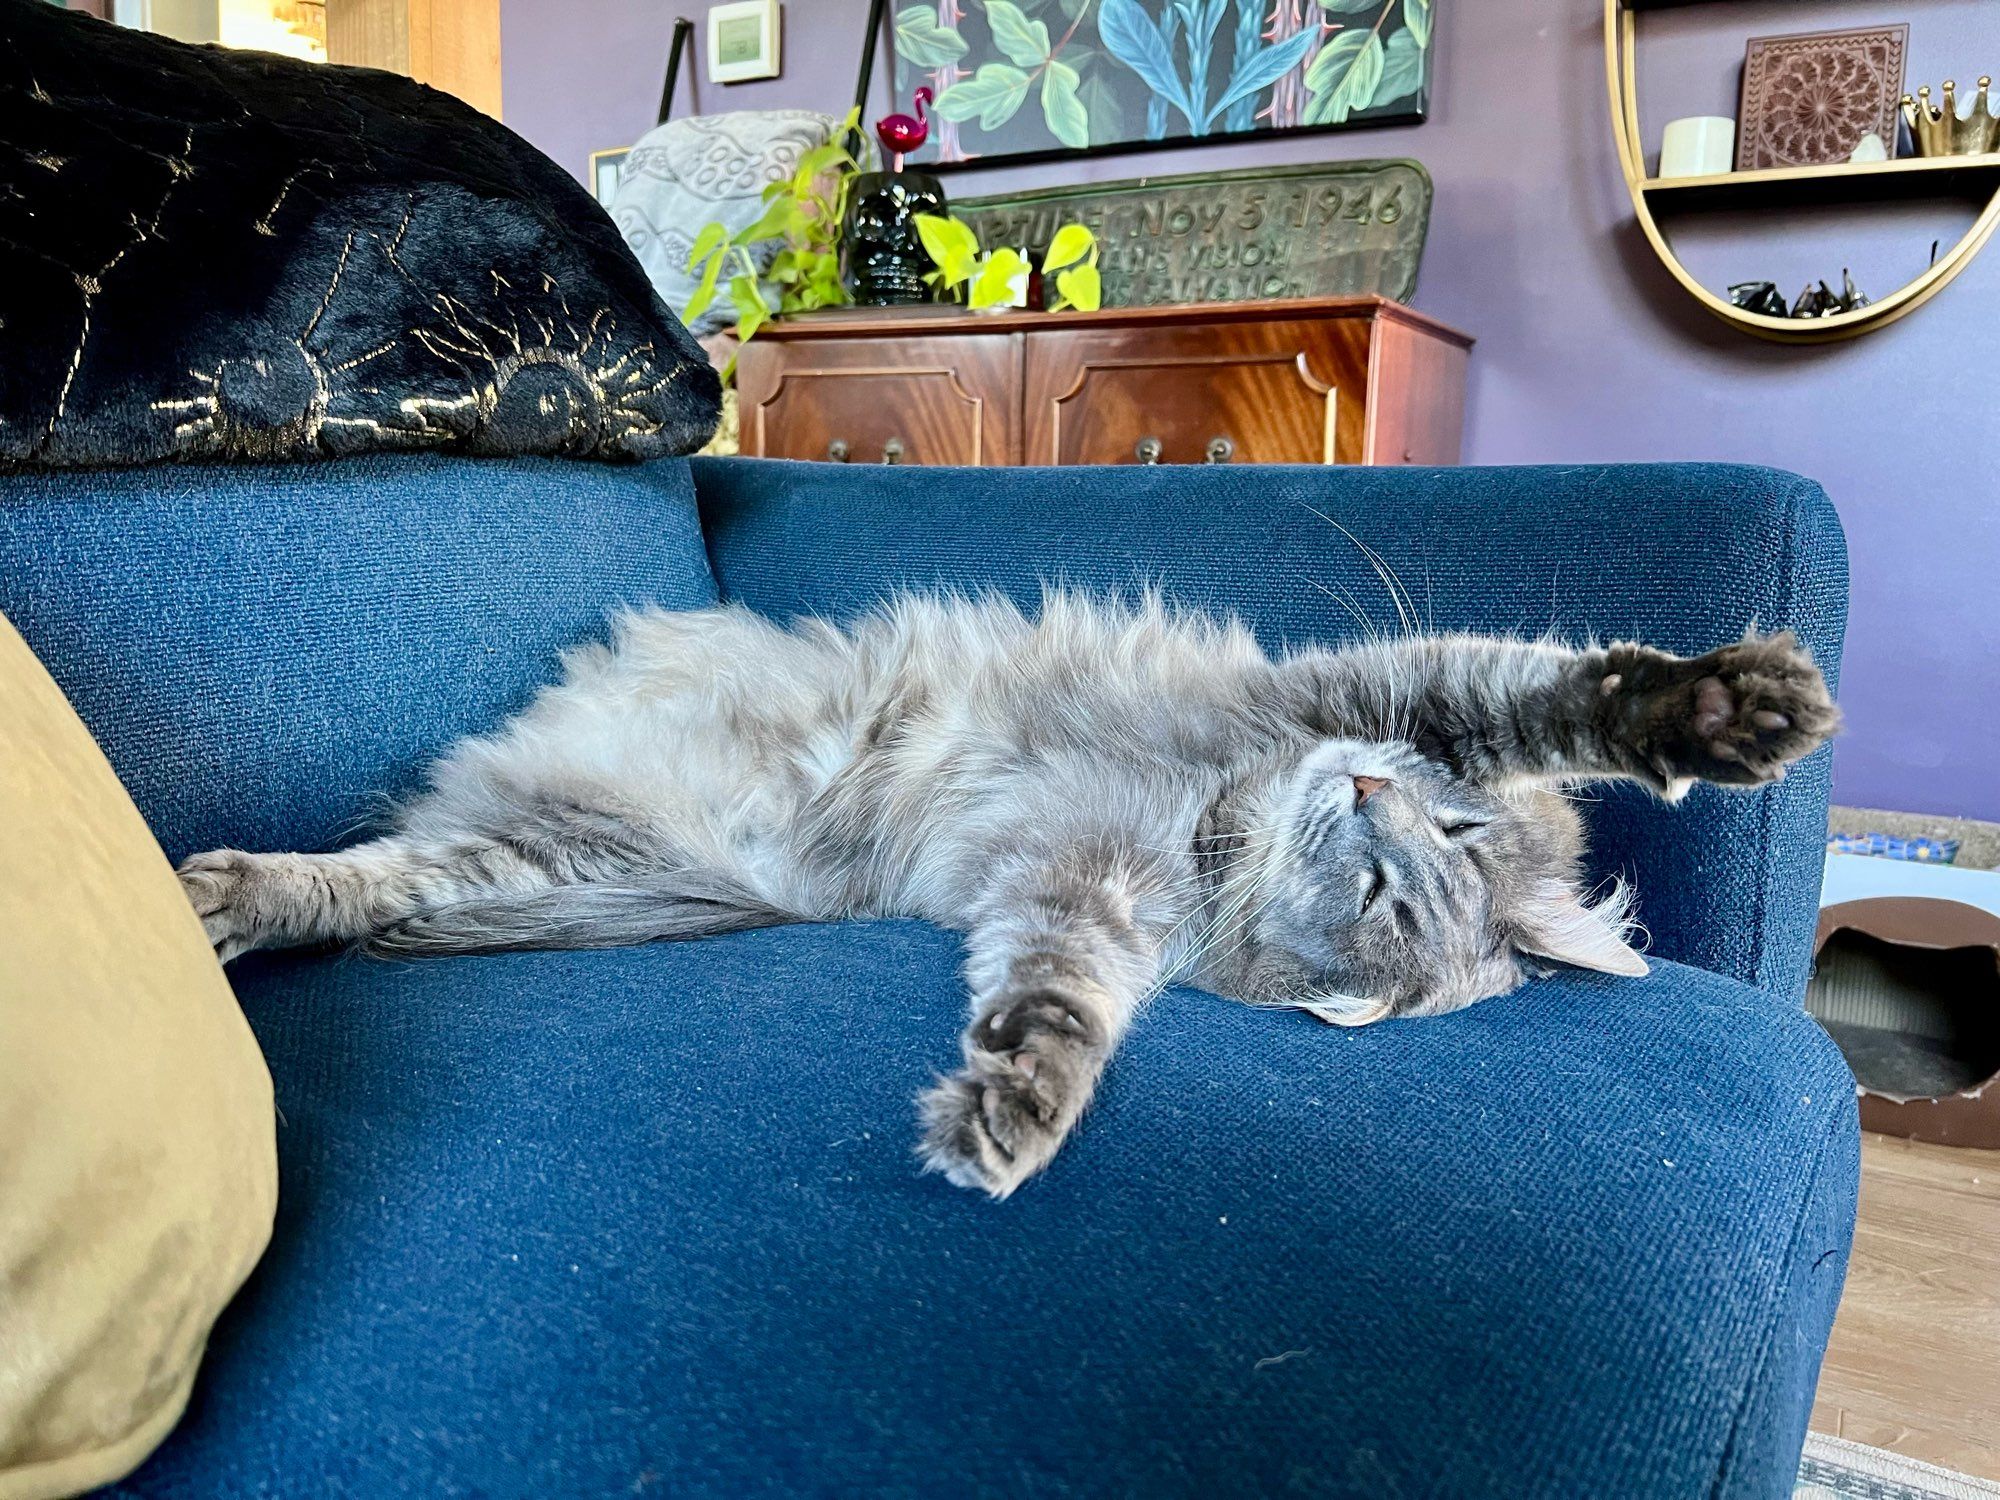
(1388, 886)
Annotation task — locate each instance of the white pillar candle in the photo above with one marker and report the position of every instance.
(1700, 146)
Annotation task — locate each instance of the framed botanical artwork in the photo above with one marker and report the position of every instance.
(1042, 78)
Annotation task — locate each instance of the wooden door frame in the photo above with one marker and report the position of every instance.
(452, 45)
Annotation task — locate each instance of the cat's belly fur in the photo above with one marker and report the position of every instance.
(881, 771)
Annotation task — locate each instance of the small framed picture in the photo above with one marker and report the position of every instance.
(743, 41)
(605, 167)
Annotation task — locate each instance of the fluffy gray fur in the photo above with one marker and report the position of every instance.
(1104, 799)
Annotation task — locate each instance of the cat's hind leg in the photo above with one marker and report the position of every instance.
(404, 897)
(249, 901)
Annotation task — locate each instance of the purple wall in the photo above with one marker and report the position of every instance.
(1587, 352)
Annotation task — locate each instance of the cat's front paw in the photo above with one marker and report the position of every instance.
(1739, 715)
(221, 887)
(1031, 1061)
(1760, 705)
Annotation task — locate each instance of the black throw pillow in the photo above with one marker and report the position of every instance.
(208, 254)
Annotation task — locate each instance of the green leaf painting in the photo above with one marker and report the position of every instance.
(1068, 120)
(1042, 77)
(1344, 77)
(1025, 42)
(1402, 69)
(1417, 17)
(925, 42)
(992, 96)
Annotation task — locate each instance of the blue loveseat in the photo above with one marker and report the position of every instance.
(648, 1222)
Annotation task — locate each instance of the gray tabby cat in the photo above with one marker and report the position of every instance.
(1105, 799)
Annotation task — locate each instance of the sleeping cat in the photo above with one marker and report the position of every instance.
(1104, 798)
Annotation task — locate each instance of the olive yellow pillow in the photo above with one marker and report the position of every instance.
(138, 1151)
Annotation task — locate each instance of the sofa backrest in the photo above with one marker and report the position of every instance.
(1684, 556)
(266, 653)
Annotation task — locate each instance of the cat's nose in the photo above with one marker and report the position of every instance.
(1367, 786)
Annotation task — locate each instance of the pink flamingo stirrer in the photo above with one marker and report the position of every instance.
(900, 133)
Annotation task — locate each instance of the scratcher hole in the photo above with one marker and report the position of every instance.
(1913, 1023)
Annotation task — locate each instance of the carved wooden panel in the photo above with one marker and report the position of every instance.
(1274, 392)
(910, 400)
(1809, 99)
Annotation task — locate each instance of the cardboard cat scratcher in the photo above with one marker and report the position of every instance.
(1909, 987)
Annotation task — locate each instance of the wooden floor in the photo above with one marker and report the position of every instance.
(1914, 1365)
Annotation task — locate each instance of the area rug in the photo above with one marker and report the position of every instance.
(1833, 1469)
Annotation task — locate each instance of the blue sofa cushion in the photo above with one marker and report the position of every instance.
(1684, 556)
(265, 652)
(648, 1222)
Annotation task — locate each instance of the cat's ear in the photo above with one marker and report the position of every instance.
(1556, 924)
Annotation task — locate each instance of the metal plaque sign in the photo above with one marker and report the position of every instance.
(1342, 229)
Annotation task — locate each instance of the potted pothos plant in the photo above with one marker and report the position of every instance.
(998, 278)
(804, 212)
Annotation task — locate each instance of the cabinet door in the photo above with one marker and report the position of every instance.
(1250, 392)
(883, 400)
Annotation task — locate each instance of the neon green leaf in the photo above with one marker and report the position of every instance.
(704, 295)
(993, 286)
(751, 311)
(946, 239)
(1071, 244)
(707, 243)
(1081, 287)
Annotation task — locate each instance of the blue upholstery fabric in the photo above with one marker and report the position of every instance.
(647, 1222)
(1683, 556)
(264, 652)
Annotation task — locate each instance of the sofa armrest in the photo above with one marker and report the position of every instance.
(1683, 556)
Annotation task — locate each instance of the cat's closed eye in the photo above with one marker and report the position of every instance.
(1378, 881)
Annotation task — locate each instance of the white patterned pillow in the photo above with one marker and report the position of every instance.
(701, 170)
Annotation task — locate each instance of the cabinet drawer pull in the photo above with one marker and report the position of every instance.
(1149, 450)
(836, 451)
(892, 451)
(1220, 450)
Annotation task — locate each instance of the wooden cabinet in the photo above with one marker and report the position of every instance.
(1342, 380)
(912, 399)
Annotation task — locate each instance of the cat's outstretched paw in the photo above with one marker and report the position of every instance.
(1031, 1061)
(1760, 705)
(1738, 715)
(221, 887)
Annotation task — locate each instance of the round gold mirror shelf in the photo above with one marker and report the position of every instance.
(1851, 182)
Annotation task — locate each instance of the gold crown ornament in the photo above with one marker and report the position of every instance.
(1951, 131)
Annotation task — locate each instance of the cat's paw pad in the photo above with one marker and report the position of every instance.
(1030, 1062)
(1756, 707)
(220, 886)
